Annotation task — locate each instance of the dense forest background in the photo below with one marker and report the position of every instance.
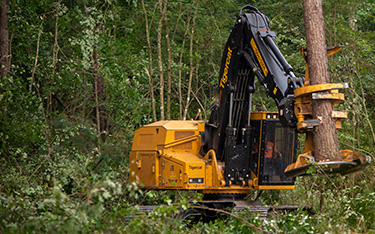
(79, 77)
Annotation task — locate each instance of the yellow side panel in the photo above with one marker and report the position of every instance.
(144, 168)
(145, 138)
(193, 171)
(147, 171)
(172, 175)
(182, 134)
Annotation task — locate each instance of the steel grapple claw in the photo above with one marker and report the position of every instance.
(351, 162)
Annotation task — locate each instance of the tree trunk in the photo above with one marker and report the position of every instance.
(180, 67)
(101, 113)
(100, 94)
(192, 67)
(149, 70)
(169, 74)
(161, 75)
(4, 39)
(326, 144)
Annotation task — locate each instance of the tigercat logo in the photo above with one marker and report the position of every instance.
(224, 78)
(195, 167)
(275, 91)
(259, 57)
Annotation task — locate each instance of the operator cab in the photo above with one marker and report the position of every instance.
(274, 148)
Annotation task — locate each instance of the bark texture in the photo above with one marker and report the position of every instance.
(149, 71)
(326, 144)
(4, 39)
(160, 60)
(169, 69)
(100, 94)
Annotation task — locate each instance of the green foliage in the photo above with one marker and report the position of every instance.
(161, 220)
(59, 175)
(299, 222)
(358, 209)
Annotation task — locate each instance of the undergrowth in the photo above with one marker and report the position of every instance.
(68, 191)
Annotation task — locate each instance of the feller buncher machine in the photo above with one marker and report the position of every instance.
(239, 150)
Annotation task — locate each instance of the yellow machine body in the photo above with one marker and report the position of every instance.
(167, 155)
(259, 149)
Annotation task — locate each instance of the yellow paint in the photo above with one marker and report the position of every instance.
(318, 88)
(170, 159)
(303, 103)
(263, 115)
(259, 57)
(166, 154)
(306, 123)
(333, 50)
(224, 78)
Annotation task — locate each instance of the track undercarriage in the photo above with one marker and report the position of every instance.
(223, 207)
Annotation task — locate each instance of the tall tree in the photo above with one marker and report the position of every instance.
(326, 144)
(149, 71)
(169, 64)
(192, 67)
(4, 38)
(180, 65)
(162, 6)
